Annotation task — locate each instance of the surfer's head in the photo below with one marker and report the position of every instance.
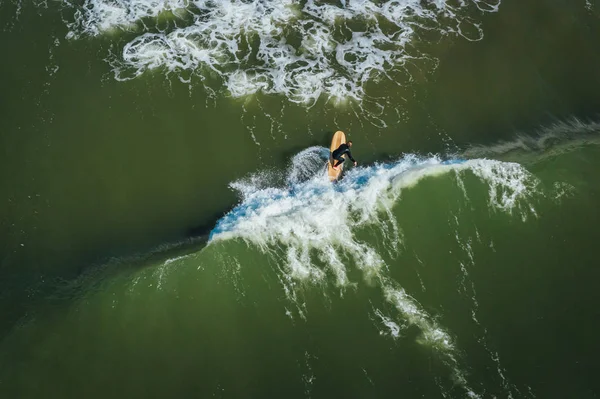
(350, 143)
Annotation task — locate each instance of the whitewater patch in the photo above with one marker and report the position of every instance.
(302, 50)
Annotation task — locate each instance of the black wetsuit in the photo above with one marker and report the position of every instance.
(338, 154)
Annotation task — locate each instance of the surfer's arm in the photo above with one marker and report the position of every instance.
(350, 156)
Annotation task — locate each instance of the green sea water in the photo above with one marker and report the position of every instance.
(167, 230)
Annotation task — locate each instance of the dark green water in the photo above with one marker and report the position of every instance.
(408, 279)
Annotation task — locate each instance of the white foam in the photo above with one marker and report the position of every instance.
(508, 183)
(175, 259)
(393, 328)
(96, 17)
(432, 334)
(250, 45)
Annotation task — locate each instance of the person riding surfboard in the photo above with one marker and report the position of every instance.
(339, 153)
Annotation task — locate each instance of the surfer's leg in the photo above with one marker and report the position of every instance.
(339, 160)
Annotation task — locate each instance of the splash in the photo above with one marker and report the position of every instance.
(300, 50)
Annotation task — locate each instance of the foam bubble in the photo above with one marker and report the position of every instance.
(280, 46)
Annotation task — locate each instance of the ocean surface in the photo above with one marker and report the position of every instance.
(167, 228)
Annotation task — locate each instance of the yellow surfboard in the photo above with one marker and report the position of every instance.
(339, 138)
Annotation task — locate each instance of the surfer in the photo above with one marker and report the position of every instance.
(338, 154)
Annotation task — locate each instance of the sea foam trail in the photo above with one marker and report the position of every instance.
(300, 50)
(313, 223)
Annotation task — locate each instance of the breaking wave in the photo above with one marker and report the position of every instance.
(310, 227)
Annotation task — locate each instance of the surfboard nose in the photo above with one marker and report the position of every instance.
(338, 139)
